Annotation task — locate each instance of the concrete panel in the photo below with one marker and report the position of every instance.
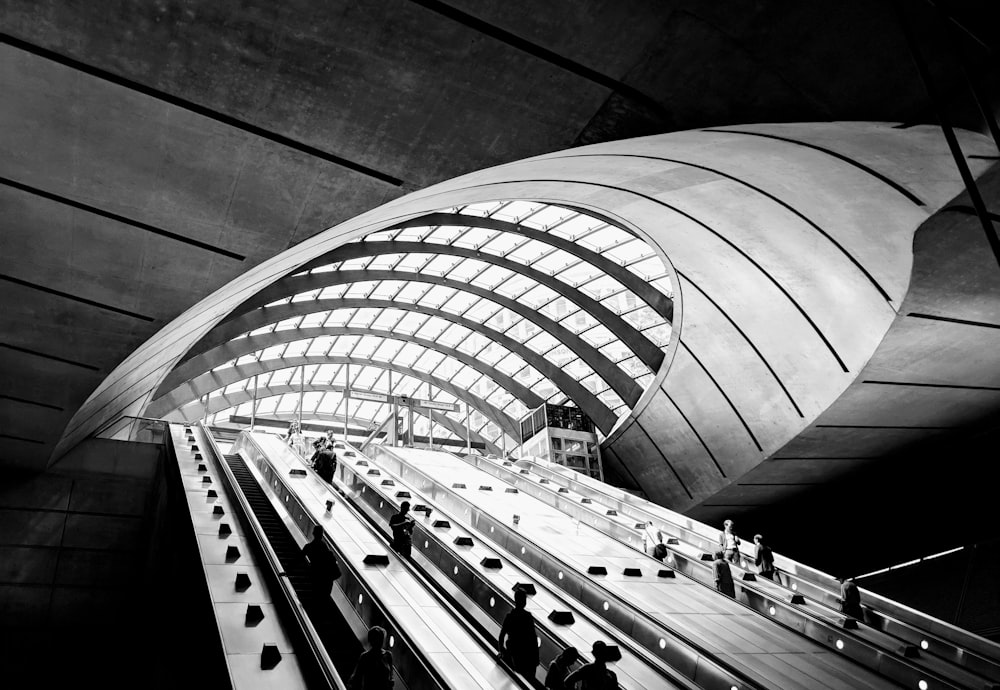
(85, 568)
(42, 491)
(72, 606)
(109, 497)
(30, 528)
(28, 606)
(99, 532)
(27, 566)
(107, 456)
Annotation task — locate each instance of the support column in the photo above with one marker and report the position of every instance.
(302, 392)
(409, 420)
(468, 432)
(347, 387)
(430, 417)
(253, 408)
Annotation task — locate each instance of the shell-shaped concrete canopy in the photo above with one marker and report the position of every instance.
(790, 249)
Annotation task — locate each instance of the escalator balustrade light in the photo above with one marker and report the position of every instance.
(459, 486)
(526, 587)
(374, 473)
(392, 641)
(612, 512)
(206, 480)
(796, 599)
(707, 557)
(771, 610)
(849, 624)
(543, 480)
(795, 587)
(217, 510)
(232, 554)
(419, 508)
(563, 490)
(403, 494)
(442, 524)
(560, 575)
(426, 544)
(673, 541)
(361, 463)
(254, 615)
(909, 651)
(632, 572)
(242, 582)
(522, 550)
(381, 504)
(197, 456)
(484, 487)
(297, 473)
(491, 563)
(225, 530)
(269, 657)
(840, 644)
(376, 559)
(510, 491)
(605, 606)
(454, 571)
(597, 570)
(924, 644)
(586, 500)
(749, 577)
(670, 558)
(663, 572)
(562, 617)
(194, 448)
(463, 541)
(212, 493)
(361, 598)
(388, 482)
(493, 602)
(923, 685)
(524, 471)
(507, 463)
(329, 506)
(663, 643)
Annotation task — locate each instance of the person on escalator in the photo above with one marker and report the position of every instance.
(850, 599)
(518, 641)
(595, 675)
(323, 566)
(723, 575)
(325, 464)
(374, 669)
(555, 679)
(729, 542)
(764, 559)
(402, 524)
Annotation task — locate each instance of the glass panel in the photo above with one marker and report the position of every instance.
(548, 216)
(622, 302)
(344, 344)
(529, 253)
(660, 335)
(363, 317)
(360, 289)
(442, 264)
(503, 243)
(606, 237)
(453, 335)
(314, 320)
(474, 238)
(387, 289)
(510, 364)
(428, 361)
(491, 277)
(634, 367)
(297, 348)
(445, 234)
(412, 292)
(598, 336)
(602, 287)
(644, 317)
(459, 302)
(414, 262)
(542, 342)
(334, 291)
(411, 322)
(481, 311)
(433, 328)
(383, 262)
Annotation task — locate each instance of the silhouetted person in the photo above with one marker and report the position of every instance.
(402, 525)
(850, 599)
(325, 463)
(518, 642)
(323, 567)
(374, 669)
(555, 679)
(729, 542)
(764, 559)
(723, 576)
(595, 675)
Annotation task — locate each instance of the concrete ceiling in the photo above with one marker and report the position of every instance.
(151, 152)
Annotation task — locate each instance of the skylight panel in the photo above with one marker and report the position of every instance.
(558, 309)
(288, 324)
(516, 285)
(437, 296)
(412, 292)
(595, 384)
(659, 335)
(433, 328)
(602, 287)
(460, 302)
(281, 377)
(428, 361)
(344, 344)
(408, 355)
(622, 302)
(273, 352)
(576, 227)
(363, 317)
(413, 234)
(414, 262)
(411, 322)
(548, 216)
(387, 350)
(386, 289)
(360, 289)
(442, 264)
(329, 403)
(510, 364)
(516, 210)
(630, 252)
(288, 403)
(482, 310)
(528, 376)
(326, 373)
(578, 369)
(529, 253)
(387, 320)
(297, 348)
(542, 342)
(523, 330)
(334, 291)
(267, 405)
(634, 367)
(356, 264)
(468, 269)
(643, 317)
(445, 234)
(365, 378)
(492, 354)
(453, 335)
(492, 277)
(366, 346)
(464, 378)
(578, 321)
(246, 359)
(474, 238)
(314, 320)
(616, 351)
(611, 399)
(598, 336)
(538, 296)
(605, 238)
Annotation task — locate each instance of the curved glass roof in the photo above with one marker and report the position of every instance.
(501, 306)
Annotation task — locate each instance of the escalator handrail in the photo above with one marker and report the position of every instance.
(316, 649)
